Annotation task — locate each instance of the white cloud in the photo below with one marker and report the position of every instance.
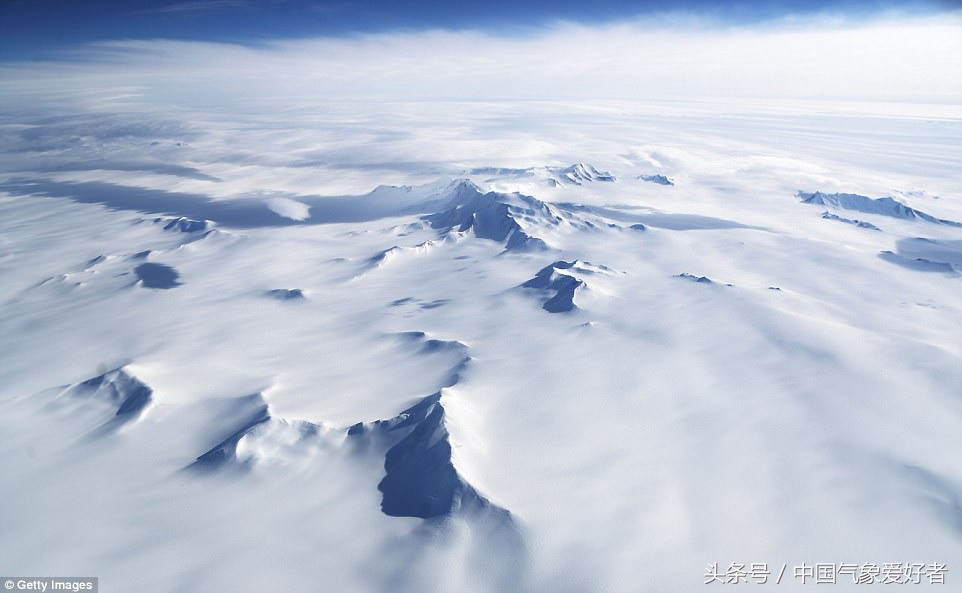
(904, 60)
(289, 208)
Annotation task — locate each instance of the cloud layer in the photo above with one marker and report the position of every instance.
(906, 60)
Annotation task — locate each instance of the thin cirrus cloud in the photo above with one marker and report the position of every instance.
(894, 60)
(196, 6)
(35, 28)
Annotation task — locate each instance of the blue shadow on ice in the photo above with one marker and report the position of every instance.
(241, 212)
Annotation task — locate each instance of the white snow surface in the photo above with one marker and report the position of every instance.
(350, 390)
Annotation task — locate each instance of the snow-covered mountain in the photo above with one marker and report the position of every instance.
(241, 373)
(576, 174)
(495, 216)
(886, 206)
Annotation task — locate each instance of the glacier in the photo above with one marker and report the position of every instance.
(513, 361)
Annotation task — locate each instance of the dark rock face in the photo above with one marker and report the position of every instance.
(286, 294)
(693, 278)
(859, 223)
(157, 276)
(421, 481)
(186, 225)
(564, 286)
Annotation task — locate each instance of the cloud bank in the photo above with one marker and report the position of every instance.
(895, 60)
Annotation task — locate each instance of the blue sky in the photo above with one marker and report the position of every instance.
(34, 28)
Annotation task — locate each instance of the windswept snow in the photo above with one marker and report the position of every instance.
(254, 411)
(414, 348)
(946, 250)
(919, 263)
(118, 389)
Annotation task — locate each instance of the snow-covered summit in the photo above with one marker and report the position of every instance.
(565, 279)
(503, 217)
(885, 206)
(184, 224)
(576, 174)
(580, 173)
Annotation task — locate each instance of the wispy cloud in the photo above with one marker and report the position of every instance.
(197, 6)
